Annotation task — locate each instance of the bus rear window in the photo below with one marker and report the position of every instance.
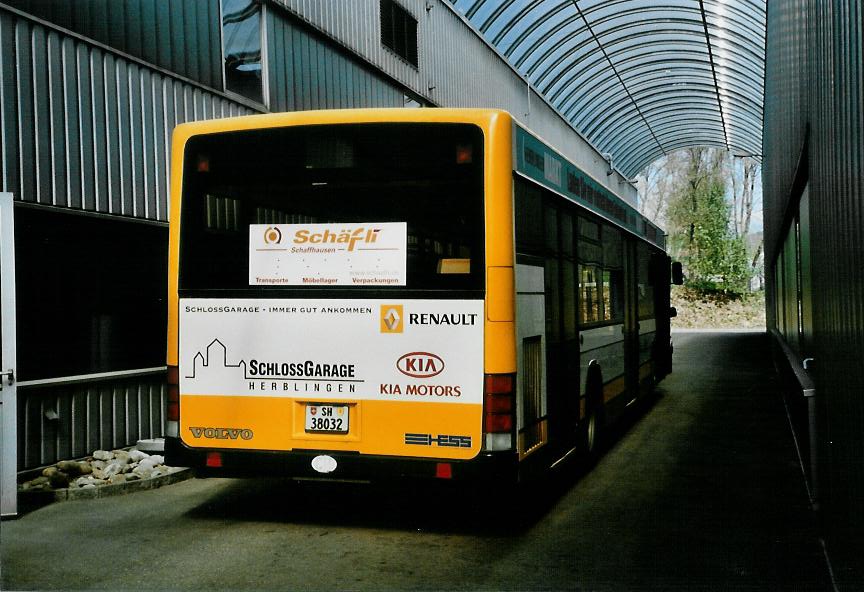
(425, 180)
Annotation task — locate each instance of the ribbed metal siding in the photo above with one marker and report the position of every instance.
(106, 414)
(837, 197)
(786, 88)
(456, 69)
(86, 128)
(89, 129)
(814, 78)
(179, 35)
(307, 71)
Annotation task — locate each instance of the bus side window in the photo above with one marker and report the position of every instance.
(552, 268)
(568, 289)
(646, 288)
(613, 274)
(590, 253)
(562, 250)
(553, 303)
(529, 219)
(550, 215)
(566, 234)
(613, 295)
(590, 307)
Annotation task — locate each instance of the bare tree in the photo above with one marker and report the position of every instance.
(657, 184)
(743, 173)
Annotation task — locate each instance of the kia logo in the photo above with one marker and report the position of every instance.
(420, 365)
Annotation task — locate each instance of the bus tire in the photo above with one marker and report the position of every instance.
(593, 410)
(590, 437)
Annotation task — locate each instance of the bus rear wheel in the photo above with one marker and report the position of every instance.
(594, 412)
(591, 433)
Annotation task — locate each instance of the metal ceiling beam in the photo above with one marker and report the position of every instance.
(713, 70)
(618, 75)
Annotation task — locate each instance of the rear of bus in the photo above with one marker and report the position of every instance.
(341, 296)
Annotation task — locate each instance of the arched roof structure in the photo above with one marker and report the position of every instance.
(639, 78)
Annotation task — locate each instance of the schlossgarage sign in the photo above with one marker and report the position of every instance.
(331, 348)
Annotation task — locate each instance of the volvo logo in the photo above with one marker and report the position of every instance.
(222, 433)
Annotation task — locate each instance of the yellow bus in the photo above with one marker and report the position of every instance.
(367, 294)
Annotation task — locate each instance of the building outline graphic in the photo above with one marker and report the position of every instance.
(205, 359)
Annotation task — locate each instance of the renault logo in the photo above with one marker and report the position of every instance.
(391, 318)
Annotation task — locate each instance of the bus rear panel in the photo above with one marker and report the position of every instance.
(330, 304)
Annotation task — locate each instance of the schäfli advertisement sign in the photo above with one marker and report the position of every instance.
(344, 254)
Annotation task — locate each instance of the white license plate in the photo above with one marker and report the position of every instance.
(327, 418)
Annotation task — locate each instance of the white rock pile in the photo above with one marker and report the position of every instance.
(102, 468)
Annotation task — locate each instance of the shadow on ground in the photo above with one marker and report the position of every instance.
(431, 506)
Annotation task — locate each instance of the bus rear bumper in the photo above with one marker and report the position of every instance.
(498, 467)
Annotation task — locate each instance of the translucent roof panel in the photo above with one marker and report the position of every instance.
(639, 78)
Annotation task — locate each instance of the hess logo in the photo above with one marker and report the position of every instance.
(420, 365)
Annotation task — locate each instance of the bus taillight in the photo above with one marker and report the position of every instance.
(172, 426)
(498, 411)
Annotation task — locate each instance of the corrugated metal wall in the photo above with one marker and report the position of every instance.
(785, 127)
(306, 72)
(356, 25)
(456, 69)
(72, 420)
(86, 128)
(182, 36)
(814, 106)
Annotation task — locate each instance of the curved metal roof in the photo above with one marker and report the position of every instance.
(639, 78)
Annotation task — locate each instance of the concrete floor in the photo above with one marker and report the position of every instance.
(699, 490)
